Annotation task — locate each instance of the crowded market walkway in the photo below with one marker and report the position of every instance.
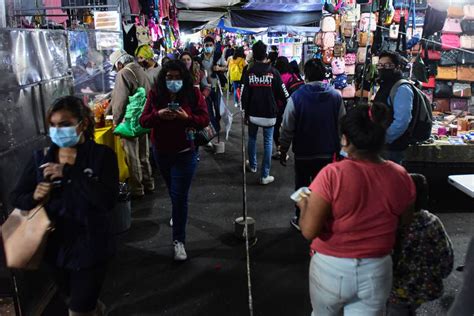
(144, 280)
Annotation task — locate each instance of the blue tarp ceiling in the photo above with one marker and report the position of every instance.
(285, 5)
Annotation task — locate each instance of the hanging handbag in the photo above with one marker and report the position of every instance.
(465, 58)
(465, 73)
(361, 55)
(350, 59)
(349, 92)
(434, 42)
(328, 24)
(468, 10)
(441, 105)
(421, 4)
(329, 40)
(434, 55)
(450, 41)
(25, 235)
(447, 73)
(368, 22)
(452, 26)
(449, 58)
(455, 11)
(419, 19)
(328, 54)
(432, 68)
(398, 15)
(340, 82)
(434, 21)
(430, 84)
(443, 89)
(353, 13)
(348, 28)
(458, 105)
(467, 42)
(419, 70)
(462, 90)
(350, 69)
(467, 26)
(205, 135)
(364, 39)
(352, 45)
(338, 66)
(393, 32)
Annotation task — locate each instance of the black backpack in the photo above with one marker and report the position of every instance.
(421, 123)
(294, 84)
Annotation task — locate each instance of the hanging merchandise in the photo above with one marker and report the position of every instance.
(361, 55)
(467, 26)
(421, 4)
(364, 1)
(465, 73)
(447, 73)
(350, 70)
(449, 58)
(352, 44)
(450, 41)
(164, 8)
(452, 26)
(388, 13)
(462, 90)
(143, 35)
(328, 55)
(352, 13)
(340, 48)
(349, 92)
(338, 66)
(443, 89)
(419, 70)
(130, 41)
(434, 21)
(401, 4)
(465, 58)
(455, 11)
(458, 105)
(433, 42)
(328, 24)
(368, 21)
(467, 42)
(430, 84)
(469, 12)
(340, 82)
(397, 17)
(364, 39)
(350, 59)
(393, 31)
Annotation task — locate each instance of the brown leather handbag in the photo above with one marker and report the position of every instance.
(441, 105)
(364, 39)
(24, 235)
(466, 73)
(455, 11)
(447, 73)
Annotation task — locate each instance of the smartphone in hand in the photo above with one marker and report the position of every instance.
(173, 106)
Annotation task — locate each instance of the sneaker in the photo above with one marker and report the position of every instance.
(252, 170)
(295, 223)
(179, 251)
(267, 180)
(171, 222)
(276, 156)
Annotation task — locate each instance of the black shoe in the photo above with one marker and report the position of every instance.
(276, 156)
(295, 223)
(149, 192)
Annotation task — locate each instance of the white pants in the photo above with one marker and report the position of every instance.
(349, 287)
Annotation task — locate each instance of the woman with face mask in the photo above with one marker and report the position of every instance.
(77, 181)
(198, 74)
(175, 110)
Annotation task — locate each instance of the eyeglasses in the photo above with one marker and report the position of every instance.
(386, 66)
(208, 45)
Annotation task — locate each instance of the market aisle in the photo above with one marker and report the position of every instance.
(144, 280)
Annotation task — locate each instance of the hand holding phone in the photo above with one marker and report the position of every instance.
(173, 106)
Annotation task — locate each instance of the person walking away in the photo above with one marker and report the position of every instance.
(174, 111)
(261, 90)
(292, 83)
(389, 68)
(311, 124)
(423, 258)
(146, 58)
(273, 55)
(351, 217)
(130, 76)
(236, 64)
(77, 181)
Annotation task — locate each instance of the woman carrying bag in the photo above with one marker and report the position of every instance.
(175, 111)
(77, 181)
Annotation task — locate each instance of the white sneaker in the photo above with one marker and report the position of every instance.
(171, 222)
(267, 180)
(179, 251)
(250, 169)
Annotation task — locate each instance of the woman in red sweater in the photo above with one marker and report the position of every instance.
(352, 215)
(174, 111)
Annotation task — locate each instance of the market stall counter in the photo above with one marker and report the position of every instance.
(105, 136)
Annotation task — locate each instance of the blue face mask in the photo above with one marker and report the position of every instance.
(174, 85)
(208, 50)
(64, 136)
(344, 154)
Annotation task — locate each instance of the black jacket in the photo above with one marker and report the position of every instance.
(261, 90)
(80, 208)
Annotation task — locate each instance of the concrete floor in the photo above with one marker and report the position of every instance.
(144, 280)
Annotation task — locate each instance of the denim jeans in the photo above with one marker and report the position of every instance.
(178, 171)
(267, 146)
(353, 287)
(236, 86)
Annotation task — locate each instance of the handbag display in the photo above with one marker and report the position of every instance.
(443, 89)
(433, 55)
(450, 41)
(462, 90)
(24, 237)
(350, 69)
(329, 40)
(350, 59)
(459, 105)
(328, 54)
(328, 24)
(398, 15)
(452, 26)
(467, 26)
(432, 68)
(364, 39)
(449, 58)
(340, 82)
(361, 55)
(340, 49)
(433, 42)
(393, 32)
(447, 73)
(434, 21)
(348, 28)
(419, 19)
(465, 58)
(338, 66)
(441, 105)
(431, 84)
(455, 11)
(353, 13)
(368, 22)
(468, 12)
(467, 42)
(465, 73)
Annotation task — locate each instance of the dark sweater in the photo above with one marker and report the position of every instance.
(81, 208)
(170, 136)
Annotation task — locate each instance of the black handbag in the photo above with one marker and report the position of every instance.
(419, 70)
(352, 45)
(465, 58)
(432, 68)
(434, 21)
(467, 26)
(443, 89)
(449, 58)
(434, 42)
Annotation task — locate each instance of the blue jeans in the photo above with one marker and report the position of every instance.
(236, 85)
(353, 287)
(267, 146)
(178, 171)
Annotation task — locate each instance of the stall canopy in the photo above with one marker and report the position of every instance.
(199, 16)
(256, 19)
(205, 4)
(225, 24)
(295, 30)
(285, 5)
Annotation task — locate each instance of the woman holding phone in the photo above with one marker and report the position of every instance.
(77, 181)
(175, 110)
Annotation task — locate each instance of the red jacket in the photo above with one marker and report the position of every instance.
(171, 136)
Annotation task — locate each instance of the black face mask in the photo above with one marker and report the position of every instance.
(386, 74)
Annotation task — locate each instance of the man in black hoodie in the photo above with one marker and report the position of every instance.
(262, 87)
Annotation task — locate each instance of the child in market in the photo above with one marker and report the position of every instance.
(422, 259)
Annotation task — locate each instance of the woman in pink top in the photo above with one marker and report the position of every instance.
(351, 217)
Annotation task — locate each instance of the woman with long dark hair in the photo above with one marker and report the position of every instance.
(77, 181)
(352, 215)
(175, 110)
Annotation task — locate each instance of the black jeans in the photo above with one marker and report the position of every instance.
(305, 173)
(276, 130)
(81, 287)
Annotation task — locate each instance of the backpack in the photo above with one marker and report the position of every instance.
(421, 123)
(294, 84)
(235, 69)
